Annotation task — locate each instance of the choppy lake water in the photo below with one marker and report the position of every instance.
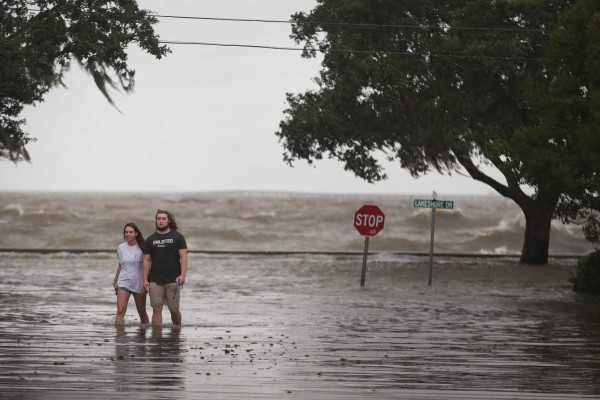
(246, 221)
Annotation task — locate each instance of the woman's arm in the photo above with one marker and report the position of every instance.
(117, 278)
(146, 270)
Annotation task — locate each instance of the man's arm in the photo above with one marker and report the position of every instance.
(183, 257)
(147, 260)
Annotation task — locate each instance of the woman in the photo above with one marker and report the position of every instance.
(128, 279)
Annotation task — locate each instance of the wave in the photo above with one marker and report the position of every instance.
(421, 213)
(15, 208)
(41, 215)
(399, 244)
(501, 250)
(261, 216)
(514, 225)
(450, 219)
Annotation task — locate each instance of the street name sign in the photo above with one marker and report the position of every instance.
(443, 204)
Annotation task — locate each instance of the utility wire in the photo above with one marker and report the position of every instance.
(374, 52)
(357, 24)
(252, 46)
(360, 24)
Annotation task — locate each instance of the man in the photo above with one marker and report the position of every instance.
(165, 266)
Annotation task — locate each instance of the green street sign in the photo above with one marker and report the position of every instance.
(444, 204)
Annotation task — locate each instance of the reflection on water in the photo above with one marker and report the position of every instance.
(148, 357)
(165, 357)
(130, 345)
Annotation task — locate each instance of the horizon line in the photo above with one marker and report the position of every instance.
(225, 191)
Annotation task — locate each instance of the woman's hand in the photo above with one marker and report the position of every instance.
(116, 287)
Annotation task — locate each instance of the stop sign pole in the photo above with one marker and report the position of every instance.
(368, 221)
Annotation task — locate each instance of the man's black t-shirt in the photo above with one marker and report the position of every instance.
(165, 265)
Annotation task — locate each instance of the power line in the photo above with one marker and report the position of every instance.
(358, 24)
(225, 19)
(229, 45)
(373, 52)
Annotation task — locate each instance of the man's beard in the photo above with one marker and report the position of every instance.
(162, 228)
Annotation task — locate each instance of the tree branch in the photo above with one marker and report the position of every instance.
(514, 193)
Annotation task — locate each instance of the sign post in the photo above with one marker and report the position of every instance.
(363, 272)
(431, 240)
(368, 221)
(433, 204)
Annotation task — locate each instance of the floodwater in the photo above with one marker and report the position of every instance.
(301, 327)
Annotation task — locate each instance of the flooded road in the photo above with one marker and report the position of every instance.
(301, 327)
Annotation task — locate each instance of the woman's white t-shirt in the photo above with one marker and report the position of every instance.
(130, 277)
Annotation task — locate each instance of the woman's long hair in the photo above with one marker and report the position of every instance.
(139, 238)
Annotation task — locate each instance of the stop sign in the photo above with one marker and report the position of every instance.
(369, 220)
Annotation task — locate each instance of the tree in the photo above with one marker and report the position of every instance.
(458, 85)
(569, 110)
(40, 38)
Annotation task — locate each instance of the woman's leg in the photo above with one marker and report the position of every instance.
(140, 304)
(122, 300)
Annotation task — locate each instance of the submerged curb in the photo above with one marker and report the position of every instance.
(290, 252)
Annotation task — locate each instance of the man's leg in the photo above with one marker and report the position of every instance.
(157, 315)
(175, 316)
(157, 294)
(173, 292)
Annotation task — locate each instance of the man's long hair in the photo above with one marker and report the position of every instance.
(172, 222)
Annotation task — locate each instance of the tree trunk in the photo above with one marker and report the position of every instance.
(538, 212)
(537, 234)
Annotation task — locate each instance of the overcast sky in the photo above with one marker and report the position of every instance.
(201, 119)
